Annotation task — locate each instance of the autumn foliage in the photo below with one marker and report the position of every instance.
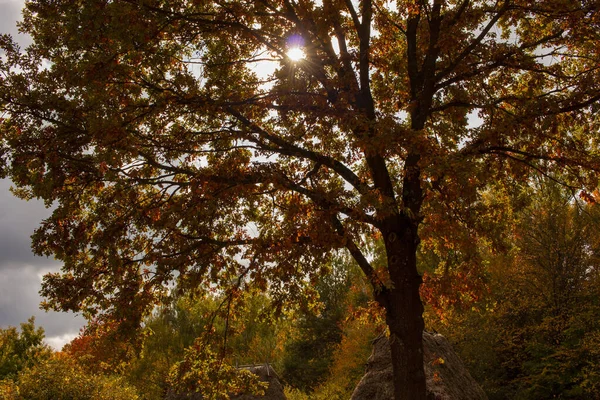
(181, 145)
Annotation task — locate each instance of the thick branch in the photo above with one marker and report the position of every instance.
(286, 148)
(361, 260)
(353, 13)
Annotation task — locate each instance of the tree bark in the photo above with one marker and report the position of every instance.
(404, 308)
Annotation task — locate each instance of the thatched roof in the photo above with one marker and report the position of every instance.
(266, 374)
(445, 381)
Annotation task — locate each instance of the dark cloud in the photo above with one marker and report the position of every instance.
(21, 272)
(18, 221)
(20, 300)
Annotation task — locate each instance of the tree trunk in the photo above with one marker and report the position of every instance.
(404, 309)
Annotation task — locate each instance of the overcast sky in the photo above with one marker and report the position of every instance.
(20, 271)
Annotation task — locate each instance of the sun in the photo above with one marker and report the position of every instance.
(296, 54)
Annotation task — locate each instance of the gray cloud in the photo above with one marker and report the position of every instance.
(18, 219)
(10, 13)
(21, 272)
(20, 300)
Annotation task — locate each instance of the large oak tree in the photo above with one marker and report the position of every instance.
(169, 153)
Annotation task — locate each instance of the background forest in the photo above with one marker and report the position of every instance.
(520, 305)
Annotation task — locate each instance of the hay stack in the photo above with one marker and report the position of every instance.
(445, 381)
(266, 374)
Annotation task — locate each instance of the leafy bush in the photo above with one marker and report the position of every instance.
(203, 371)
(61, 378)
(19, 350)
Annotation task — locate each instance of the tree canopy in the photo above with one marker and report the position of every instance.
(171, 156)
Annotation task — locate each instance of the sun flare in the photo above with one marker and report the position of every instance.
(296, 54)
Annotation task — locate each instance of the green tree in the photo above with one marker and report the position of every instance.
(202, 370)
(169, 157)
(317, 331)
(21, 349)
(346, 357)
(551, 317)
(61, 378)
(557, 238)
(534, 335)
(327, 345)
(200, 324)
